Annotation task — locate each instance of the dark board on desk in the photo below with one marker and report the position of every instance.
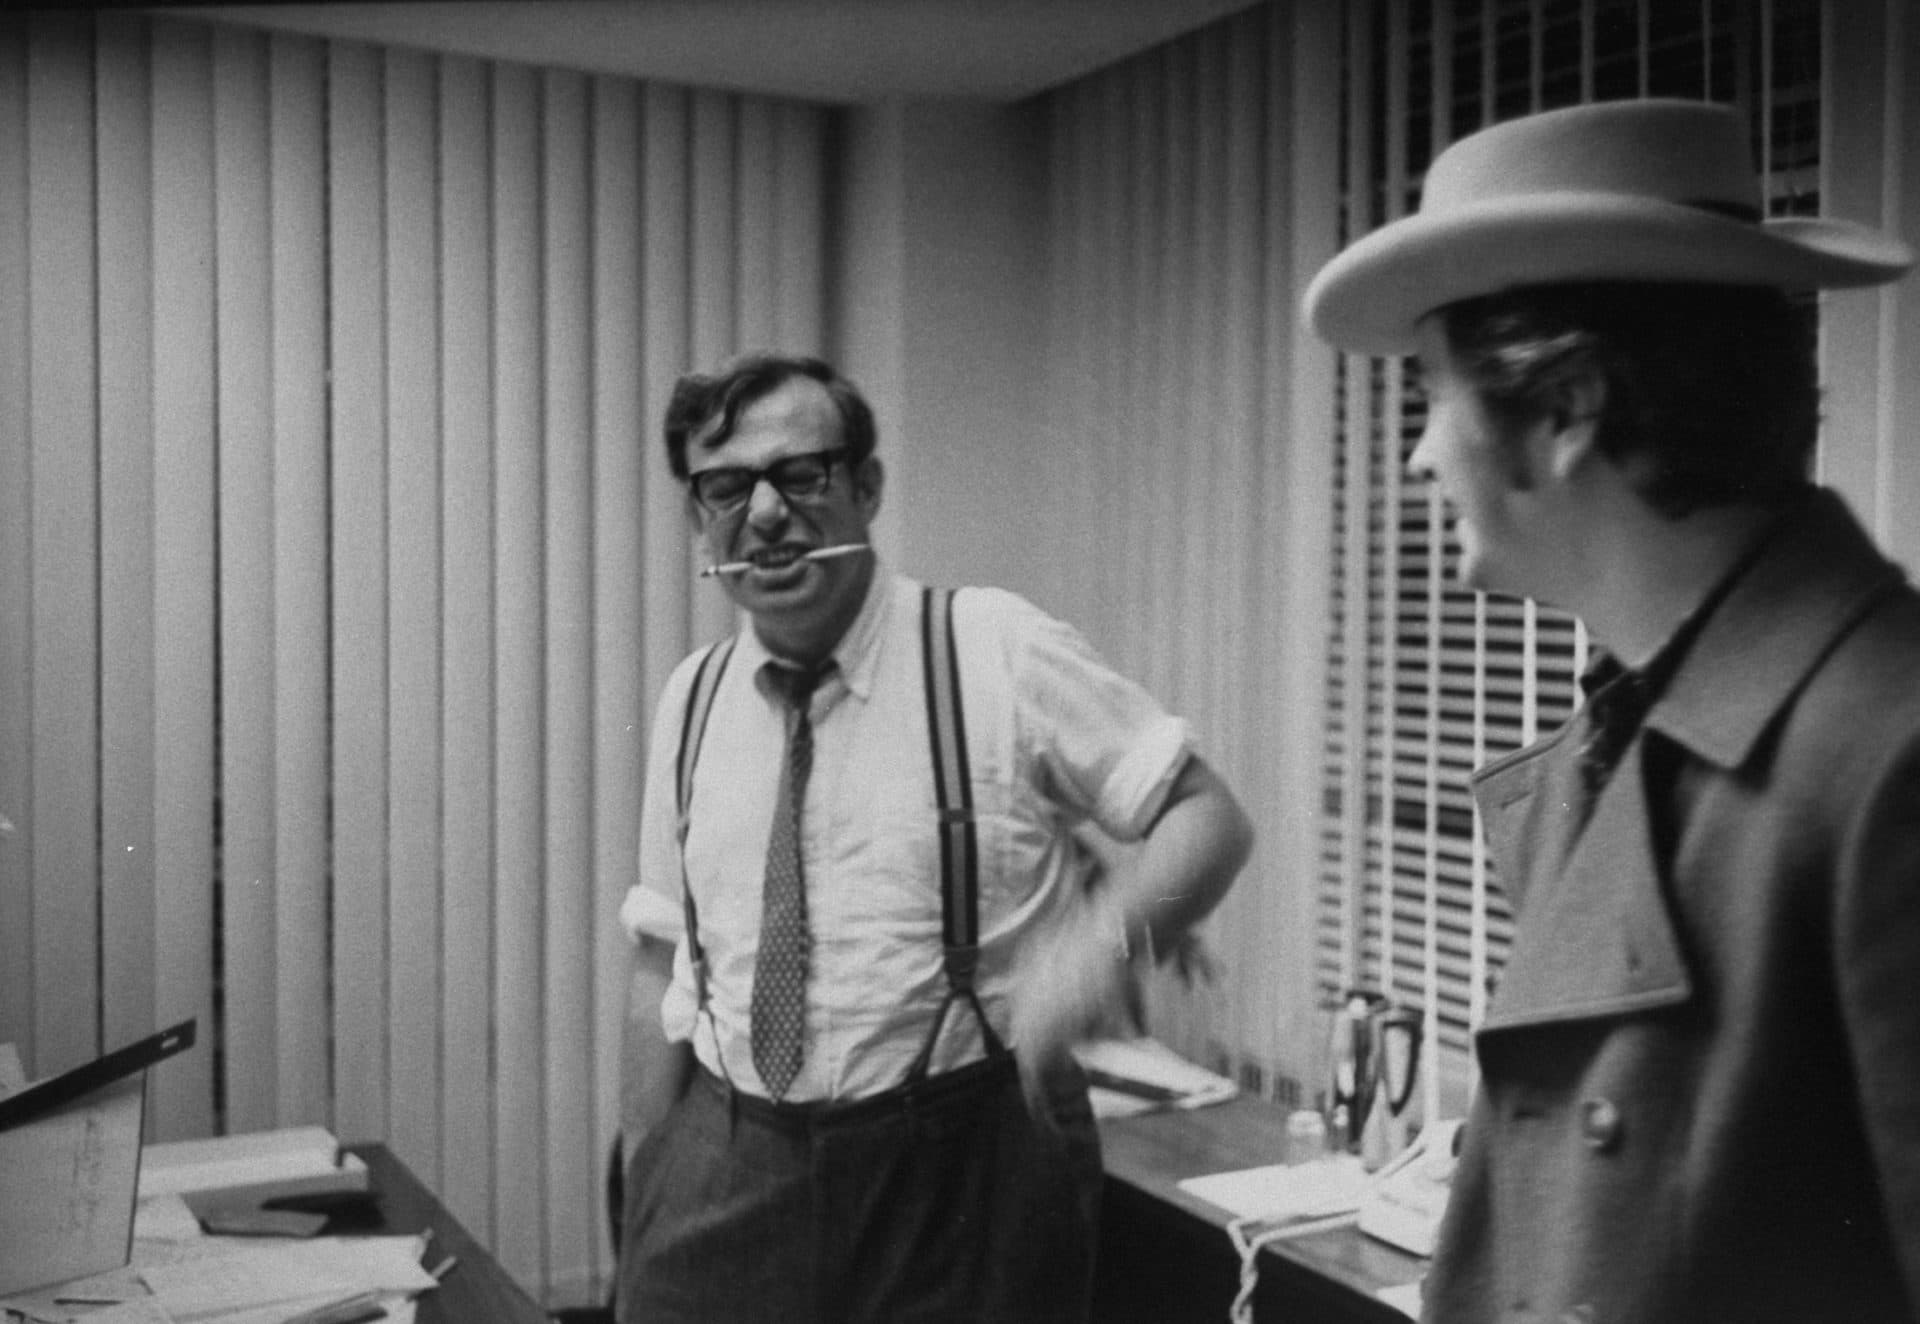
(477, 1290)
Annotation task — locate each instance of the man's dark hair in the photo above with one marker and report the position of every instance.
(702, 400)
(1714, 384)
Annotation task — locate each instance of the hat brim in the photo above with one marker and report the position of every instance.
(1370, 298)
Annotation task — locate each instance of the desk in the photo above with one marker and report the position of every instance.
(1165, 1256)
(478, 1291)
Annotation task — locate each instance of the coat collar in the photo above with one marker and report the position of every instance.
(1814, 577)
(1598, 937)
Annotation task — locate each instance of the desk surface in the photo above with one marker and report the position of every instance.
(478, 1290)
(1153, 1152)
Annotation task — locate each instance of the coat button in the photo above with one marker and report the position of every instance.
(1600, 1125)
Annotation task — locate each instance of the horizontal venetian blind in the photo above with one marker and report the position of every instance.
(1425, 681)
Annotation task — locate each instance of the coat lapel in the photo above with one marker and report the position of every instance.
(1525, 801)
(1598, 938)
(1818, 574)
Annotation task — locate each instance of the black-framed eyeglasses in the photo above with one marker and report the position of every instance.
(725, 488)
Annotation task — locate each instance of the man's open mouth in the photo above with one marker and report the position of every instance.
(776, 558)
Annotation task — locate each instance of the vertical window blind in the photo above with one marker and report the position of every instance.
(1426, 681)
(339, 571)
(1190, 191)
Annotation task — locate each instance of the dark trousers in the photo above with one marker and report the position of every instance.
(941, 1201)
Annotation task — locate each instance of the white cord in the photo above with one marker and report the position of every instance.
(1249, 1244)
(1251, 1235)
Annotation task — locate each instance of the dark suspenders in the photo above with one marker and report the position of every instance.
(959, 840)
(693, 728)
(953, 792)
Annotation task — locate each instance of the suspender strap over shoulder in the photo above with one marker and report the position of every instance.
(959, 838)
(953, 789)
(693, 728)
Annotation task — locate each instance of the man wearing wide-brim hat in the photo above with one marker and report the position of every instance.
(1700, 1088)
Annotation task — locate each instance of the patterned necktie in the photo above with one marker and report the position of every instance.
(1615, 710)
(779, 1007)
(1619, 697)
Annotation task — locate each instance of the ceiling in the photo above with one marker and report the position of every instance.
(822, 50)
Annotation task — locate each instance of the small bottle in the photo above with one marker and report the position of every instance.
(1306, 1135)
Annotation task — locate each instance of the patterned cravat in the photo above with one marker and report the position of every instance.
(779, 1008)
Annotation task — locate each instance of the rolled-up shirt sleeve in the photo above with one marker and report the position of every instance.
(651, 907)
(644, 913)
(1103, 747)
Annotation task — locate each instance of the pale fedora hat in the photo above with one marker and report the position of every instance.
(1655, 190)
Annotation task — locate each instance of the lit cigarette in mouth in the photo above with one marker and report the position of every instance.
(817, 554)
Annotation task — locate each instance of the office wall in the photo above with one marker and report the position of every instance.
(937, 311)
(338, 571)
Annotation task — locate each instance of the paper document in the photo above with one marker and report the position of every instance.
(140, 1310)
(78, 1297)
(1129, 1076)
(259, 1165)
(1283, 1191)
(164, 1218)
(69, 1159)
(288, 1276)
(68, 1176)
(1405, 1299)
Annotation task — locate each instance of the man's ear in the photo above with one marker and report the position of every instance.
(869, 478)
(1575, 432)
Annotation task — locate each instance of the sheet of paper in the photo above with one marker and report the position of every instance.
(165, 1218)
(140, 1310)
(1151, 1064)
(398, 1308)
(1405, 1298)
(76, 1167)
(313, 1272)
(80, 1298)
(164, 1232)
(153, 1252)
(1280, 1191)
(291, 1159)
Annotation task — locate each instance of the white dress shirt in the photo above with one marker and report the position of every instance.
(1054, 737)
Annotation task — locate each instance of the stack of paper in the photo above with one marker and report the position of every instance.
(1405, 1298)
(1129, 1076)
(253, 1168)
(181, 1276)
(1281, 1192)
(268, 1283)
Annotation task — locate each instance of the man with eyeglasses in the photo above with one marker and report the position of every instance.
(862, 946)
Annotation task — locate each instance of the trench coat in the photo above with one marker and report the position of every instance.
(1700, 1072)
